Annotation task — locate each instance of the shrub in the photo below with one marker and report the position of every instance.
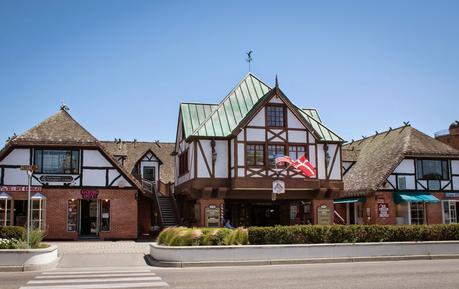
(310, 234)
(181, 236)
(36, 236)
(12, 232)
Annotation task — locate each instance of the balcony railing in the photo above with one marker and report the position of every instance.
(442, 132)
(149, 186)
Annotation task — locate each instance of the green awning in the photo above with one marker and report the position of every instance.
(349, 200)
(414, 197)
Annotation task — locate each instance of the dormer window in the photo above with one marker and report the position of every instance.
(275, 115)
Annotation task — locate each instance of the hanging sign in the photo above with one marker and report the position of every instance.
(383, 210)
(89, 194)
(56, 179)
(278, 187)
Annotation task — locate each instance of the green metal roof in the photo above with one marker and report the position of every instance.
(220, 120)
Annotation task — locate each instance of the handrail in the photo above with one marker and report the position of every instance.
(339, 217)
(152, 187)
(174, 203)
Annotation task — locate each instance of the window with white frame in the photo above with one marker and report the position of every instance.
(5, 211)
(37, 212)
(450, 211)
(417, 213)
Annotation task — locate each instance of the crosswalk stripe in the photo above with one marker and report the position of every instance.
(95, 272)
(95, 275)
(100, 286)
(99, 280)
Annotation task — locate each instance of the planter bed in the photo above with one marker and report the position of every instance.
(28, 259)
(182, 256)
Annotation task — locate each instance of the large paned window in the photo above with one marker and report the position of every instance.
(105, 216)
(5, 210)
(417, 213)
(183, 163)
(450, 212)
(57, 161)
(295, 152)
(149, 173)
(38, 208)
(255, 155)
(275, 116)
(275, 151)
(432, 170)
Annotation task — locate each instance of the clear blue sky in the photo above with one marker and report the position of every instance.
(123, 67)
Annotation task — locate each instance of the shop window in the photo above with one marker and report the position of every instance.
(38, 208)
(295, 152)
(148, 173)
(417, 213)
(255, 155)
(57, 161)
(293, 212)
(275, 116)
(72, 215)
(275, 151)
(105, 216)
(450, 211)
(5, 209)
(183, 163)
(432, 170)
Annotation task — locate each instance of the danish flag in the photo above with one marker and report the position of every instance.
(301, 164)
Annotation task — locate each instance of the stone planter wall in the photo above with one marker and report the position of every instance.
(28, 259)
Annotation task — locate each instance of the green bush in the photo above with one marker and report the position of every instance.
(182, 236)
(12, 232)
(36, 236)
(311, 234)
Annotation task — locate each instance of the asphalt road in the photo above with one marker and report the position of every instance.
(366, 275)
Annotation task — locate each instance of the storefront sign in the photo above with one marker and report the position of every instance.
(451, 195)
(212, 216)
(278, 187)
(89, 193)
(323, 215)
(35, 189)
(383, 210)
(56, 179)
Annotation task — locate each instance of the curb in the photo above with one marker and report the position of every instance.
(158, 263)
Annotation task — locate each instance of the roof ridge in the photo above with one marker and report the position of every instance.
(197, 103)
(227, 97)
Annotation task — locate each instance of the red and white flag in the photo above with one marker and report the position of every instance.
(284, 159)
(304, 166)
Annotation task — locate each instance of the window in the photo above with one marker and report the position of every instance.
(5, 211)
(275, 151)
(37, 214)
(105, 216)
(295, 152)
(275, 116)
(72, 215)
(432, 170)
(149, 173)
(450, 211)
(183, 163)
(255, 155)
(57, 161)
(417, 213)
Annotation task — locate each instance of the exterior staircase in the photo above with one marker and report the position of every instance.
(168, 214)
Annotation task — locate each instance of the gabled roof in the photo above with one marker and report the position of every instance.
(135, 151)
(238, 106)
(378, 155)
(58, 128)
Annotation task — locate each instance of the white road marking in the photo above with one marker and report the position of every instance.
(94, 275)
(101, 286)
(95, 272)
(98, 280)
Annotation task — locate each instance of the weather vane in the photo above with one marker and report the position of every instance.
(249, 57)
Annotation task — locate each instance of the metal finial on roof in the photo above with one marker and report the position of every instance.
(406, 123)
(376, 132)
(157, 143)
(64, 106)
(249, 58)
(135, 141)
(277, 86)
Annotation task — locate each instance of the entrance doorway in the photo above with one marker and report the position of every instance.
(20, 213)
(89, 217)
(265, 215)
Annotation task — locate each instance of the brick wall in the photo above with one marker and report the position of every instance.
(203, 204)
(372, 203)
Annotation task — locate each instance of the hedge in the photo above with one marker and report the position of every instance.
(313, 234)
(12, 232)
(182, 236)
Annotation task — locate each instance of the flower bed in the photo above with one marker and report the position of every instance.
(307, 234)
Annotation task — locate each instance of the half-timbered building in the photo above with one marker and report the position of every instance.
(81, 187)
(400, 176)
(225, 160)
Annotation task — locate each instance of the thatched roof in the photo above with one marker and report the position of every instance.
(378, 155)
(134, 152)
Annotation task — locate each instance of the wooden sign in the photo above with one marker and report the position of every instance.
(56, 179)
(323, 215)
(89, 194)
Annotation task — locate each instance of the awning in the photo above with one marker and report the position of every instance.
(349, 200)
(415, 197)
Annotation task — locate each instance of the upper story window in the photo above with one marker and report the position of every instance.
(275, 116)
(148, 173)
(255, 155)
(432, 170)
(183, 163)
(57, 161)
(275, 151)
(295, 152)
